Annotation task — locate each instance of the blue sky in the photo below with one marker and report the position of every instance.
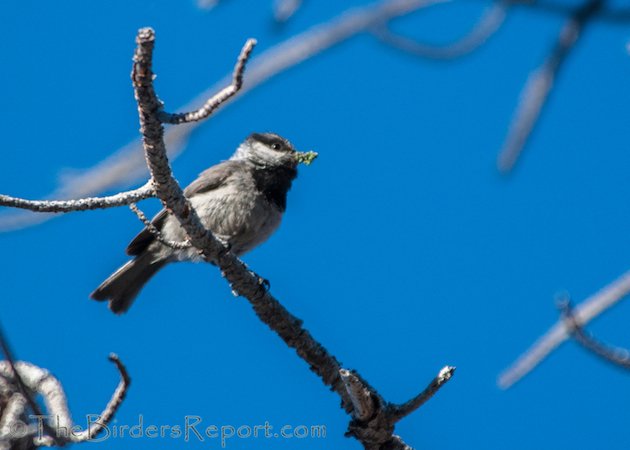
(402, 249)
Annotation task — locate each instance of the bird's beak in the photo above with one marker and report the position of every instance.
(305, 158)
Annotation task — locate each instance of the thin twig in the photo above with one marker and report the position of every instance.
(440, 380)
(155, 232)
(81, 204)
(127, 164)
(540, 83)
(585, 312)
(487, 25)
(615, 355)
(218, 99)
(112, 406)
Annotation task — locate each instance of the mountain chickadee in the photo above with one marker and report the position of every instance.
(240, 200)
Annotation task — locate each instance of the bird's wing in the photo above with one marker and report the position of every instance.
(145, 237)
(213, 177)
(208, 180)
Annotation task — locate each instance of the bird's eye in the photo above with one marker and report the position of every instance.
(275, 146)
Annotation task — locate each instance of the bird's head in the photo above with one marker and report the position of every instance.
(271, 150)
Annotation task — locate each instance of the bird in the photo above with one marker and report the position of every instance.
(241, 200)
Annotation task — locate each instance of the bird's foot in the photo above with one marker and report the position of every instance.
(225, 242)
(266, 285)
(262, 282)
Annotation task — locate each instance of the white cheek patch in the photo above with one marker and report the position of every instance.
(267, 154)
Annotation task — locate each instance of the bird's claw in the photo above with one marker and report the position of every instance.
(263, 282)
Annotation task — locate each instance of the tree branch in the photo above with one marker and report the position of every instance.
(615, 355)
(608, 15)
(14, 374)
(12, 412)
(155, 232)
(436, 384)
(374, 418)
(81, 204)
(379, 432)
(40, 381)
(585, 312)
(540, 83)
(487, 25)
(218, 99)
(112, 406)
(283, 10)
(361, 397)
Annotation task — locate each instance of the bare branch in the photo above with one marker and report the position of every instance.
(40, 381)
(155, 232)
(127, 165)
(14, 374)
(12, 413)
(536, 91)
(283, 10)
(377, 432)
(616, 355)
(558, 333)
(82, 204)
(487, 25)
(112, 406)
(374, 418)
(608, 15)
(221, 97)
(29, 379)
(440, 380)
(168, 190)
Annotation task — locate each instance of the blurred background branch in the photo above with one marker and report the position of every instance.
(617, 356)
(540, 83)
(487, 25)
(583, 313)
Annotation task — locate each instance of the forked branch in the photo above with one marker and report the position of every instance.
(20, 382)
(378, 431)
(586, 311)
(615, 355)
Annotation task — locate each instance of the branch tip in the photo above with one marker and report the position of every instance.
(443, 376)
(146, 34)
(446, 373)
(213, 103)
(124, 375)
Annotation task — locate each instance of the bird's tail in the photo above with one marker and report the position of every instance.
(122, 287)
